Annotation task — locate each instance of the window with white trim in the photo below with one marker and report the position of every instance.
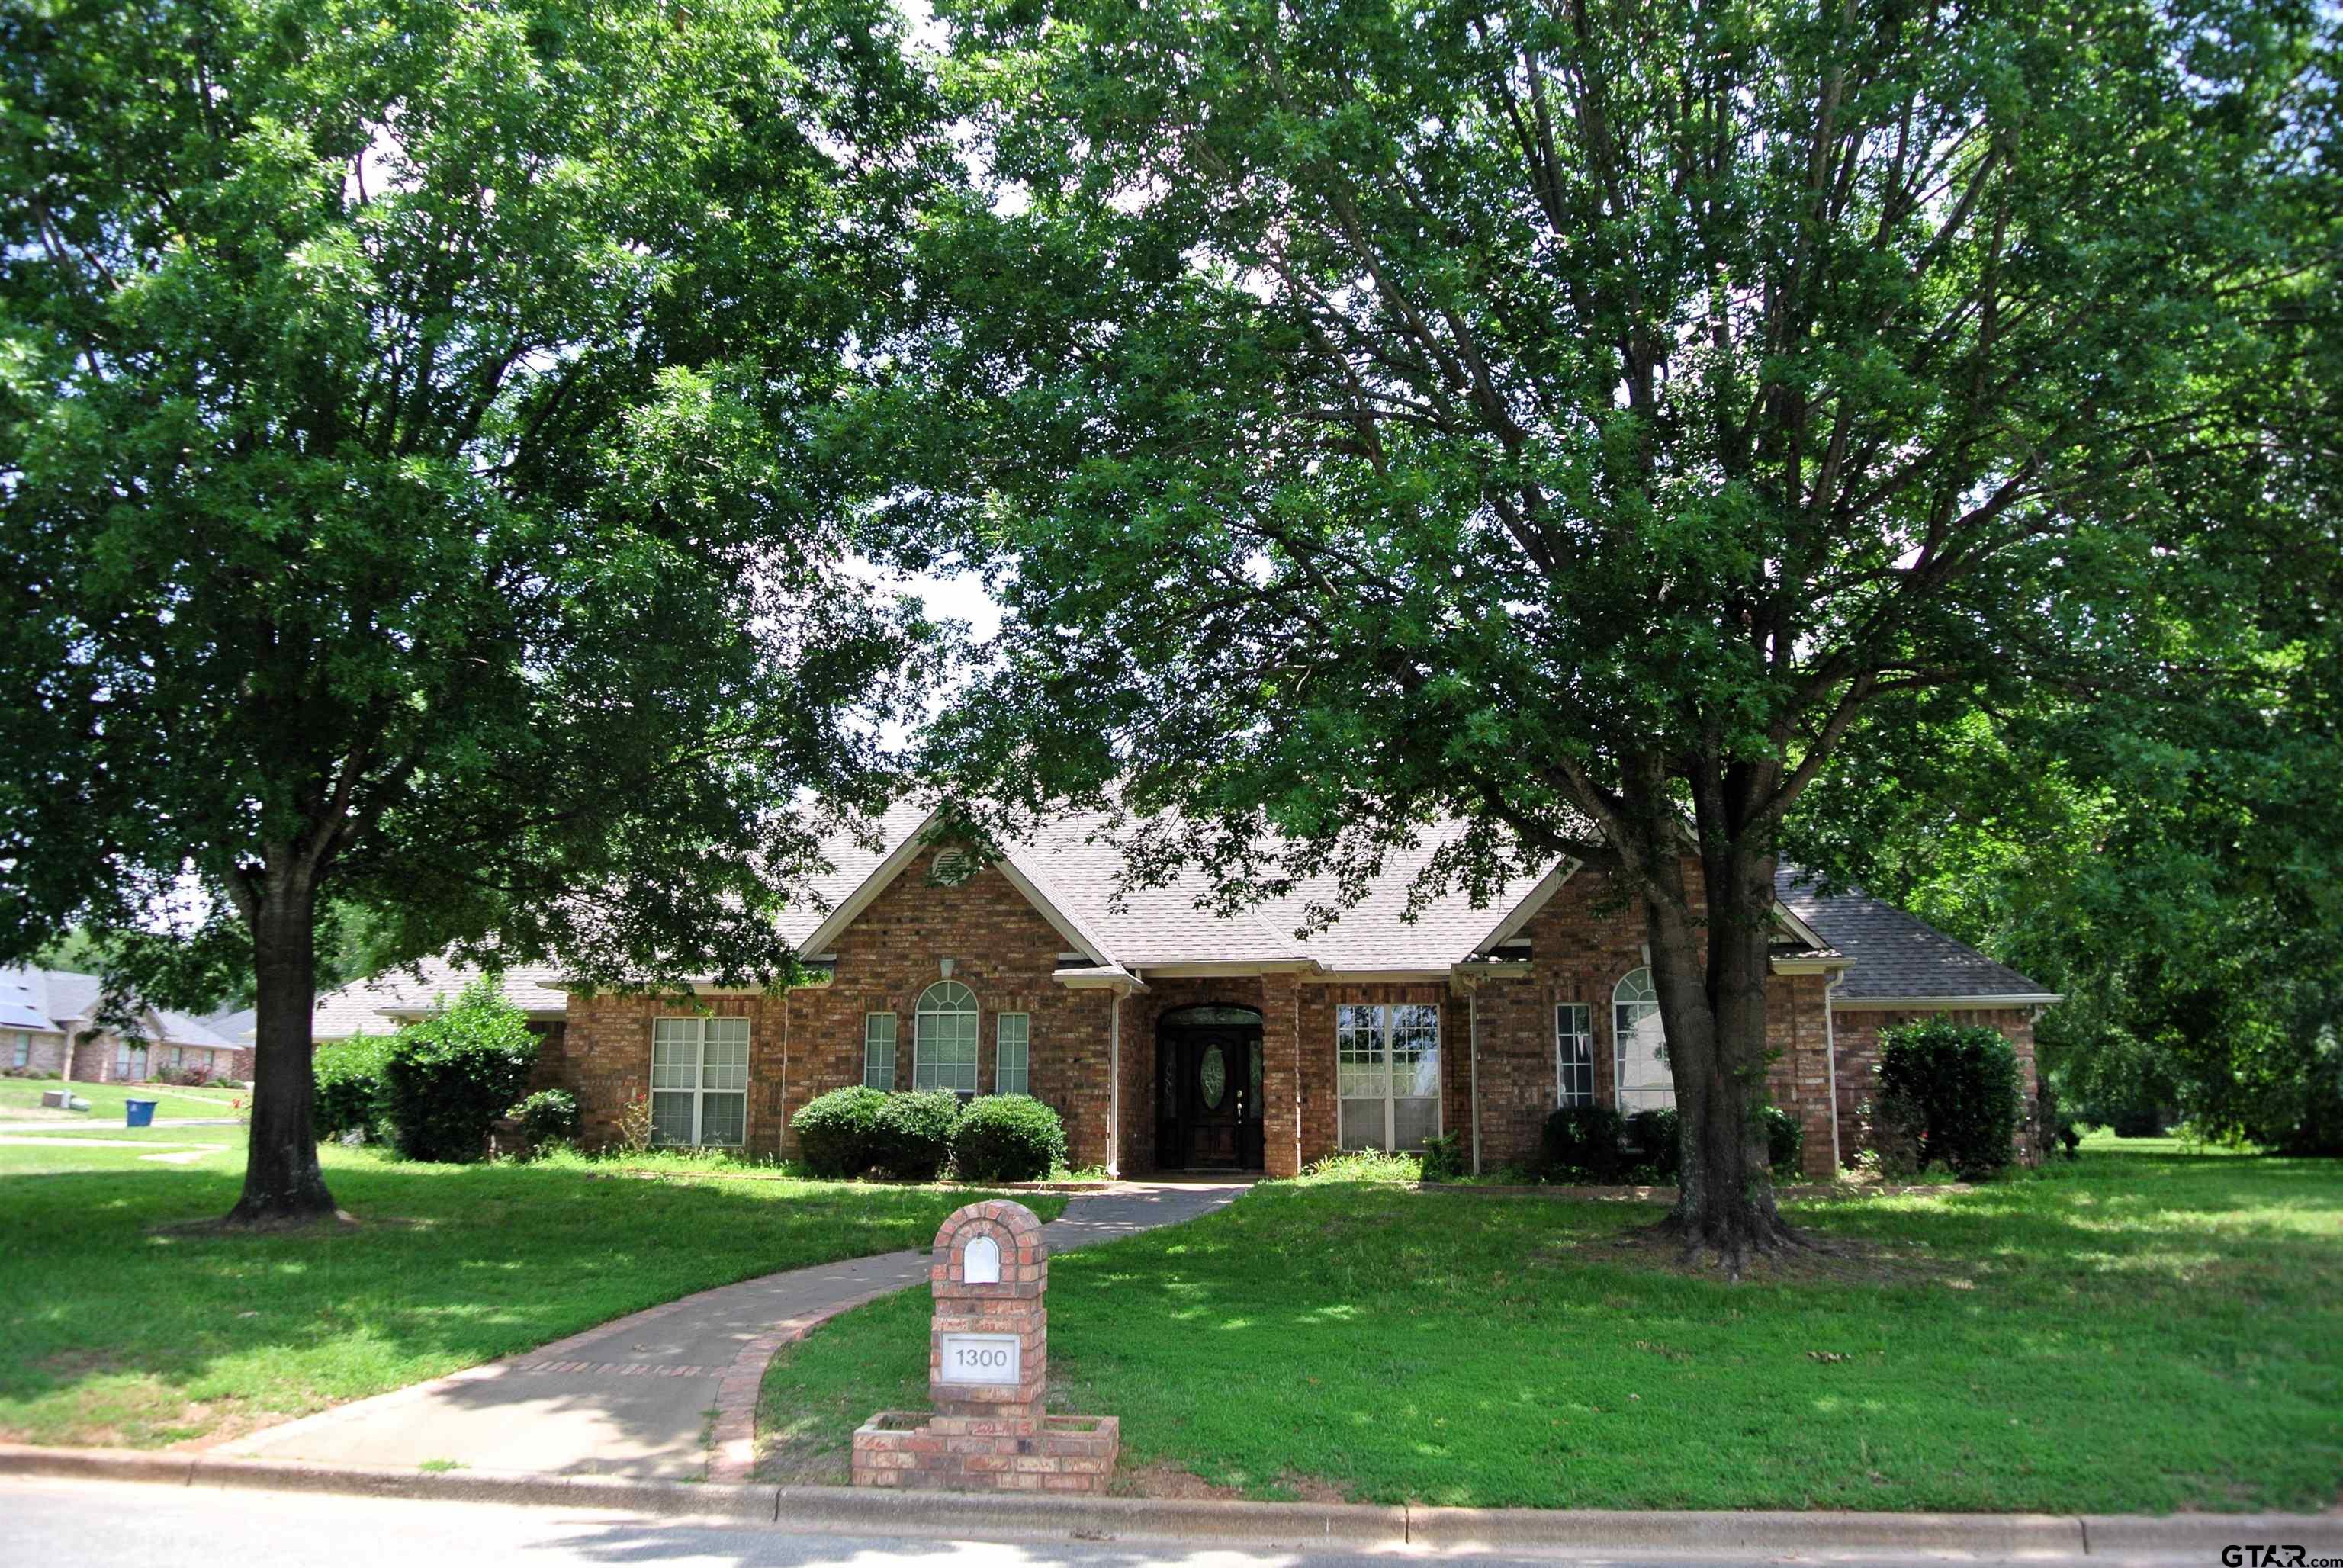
(1387, 1074)
(879, 1050)
(699, 1081)
(943, 1046)
(1012, 1039)
(23, 1048)
(1573, 1053)
(129, 1061)
(1640, 1045)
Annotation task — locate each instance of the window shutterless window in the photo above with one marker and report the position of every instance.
(879, 1050)
(943, 1048)
(699, 1081)
(1640, 1045)
(24, 1049)
(1573, 1053)
(1387, 1074)
(1012, 1039)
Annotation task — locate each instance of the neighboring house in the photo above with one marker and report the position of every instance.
(1172, 1038)
(49, 1023)
(392, 1000)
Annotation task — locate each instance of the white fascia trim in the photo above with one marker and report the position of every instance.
(1489, 969)
(868, 889)
(1811, 966)
(1798, 928)
(1124, 984)
(1917, 1003)
(1532, 902)
(1376, 977)
(1205, 969)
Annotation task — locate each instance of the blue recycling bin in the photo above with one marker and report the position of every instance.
(138, 1113)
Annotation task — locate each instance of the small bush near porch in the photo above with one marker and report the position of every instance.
(2142, 1329)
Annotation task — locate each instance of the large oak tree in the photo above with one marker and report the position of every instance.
(414, 486)
(1572, 417)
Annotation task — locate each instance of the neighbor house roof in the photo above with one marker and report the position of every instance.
(58, 1000)
(1899, 958)
(379, 1005)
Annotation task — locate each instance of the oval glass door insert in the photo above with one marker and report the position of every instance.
(1212, 1076)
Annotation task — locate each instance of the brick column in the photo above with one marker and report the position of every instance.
(1281, 1075)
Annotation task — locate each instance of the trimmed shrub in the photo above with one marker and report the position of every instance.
(1785, 1140)
(447, 1079)
(1008, 1138)
(1443, 1157)
(349, 1086)
(1583, 1144)
(912, 1136)
(837, 1132)
(548, 1116)
(1954, 1091)
(1655, 1138)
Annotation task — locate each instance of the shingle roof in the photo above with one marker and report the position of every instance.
(61, 997)
(1897, 955)
(366, 1006)
(1075, 866)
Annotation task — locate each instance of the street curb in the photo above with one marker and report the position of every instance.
(1265, 1525)
(843, 1510)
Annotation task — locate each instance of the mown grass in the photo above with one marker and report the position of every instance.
(2143, 1328)
(18, 1095)
(125, 1326)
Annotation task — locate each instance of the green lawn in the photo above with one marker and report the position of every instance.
(123, 1331)
(2143, 1330)
(20, 1096)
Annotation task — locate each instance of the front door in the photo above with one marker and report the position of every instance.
(1208, 1115)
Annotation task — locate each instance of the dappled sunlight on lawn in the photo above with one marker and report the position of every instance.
(2123, 1334)
(135, 1328)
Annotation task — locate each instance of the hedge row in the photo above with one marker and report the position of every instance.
(1597, 1145)
(916, 1137)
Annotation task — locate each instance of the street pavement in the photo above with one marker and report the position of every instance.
(638, 1396)
(97, 1524)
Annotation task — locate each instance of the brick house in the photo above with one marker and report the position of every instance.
(1173, 1038)
(49, 1024)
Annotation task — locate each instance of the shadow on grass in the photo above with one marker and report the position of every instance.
(130, 1328)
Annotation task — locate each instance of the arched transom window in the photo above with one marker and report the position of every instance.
(1639, 1045)
(944, 1046)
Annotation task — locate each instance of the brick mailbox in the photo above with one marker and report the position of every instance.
(988, 1375)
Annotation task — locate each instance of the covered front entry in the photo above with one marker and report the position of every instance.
(1208, 1089)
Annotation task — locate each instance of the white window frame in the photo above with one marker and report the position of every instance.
(23, 1048)
(1012, 1029)
(689, 1076)
(1573, 1053)
(938, 1027)
(1636, 1021)
(130, 1062)
(1367, 1068)
(878, 1038)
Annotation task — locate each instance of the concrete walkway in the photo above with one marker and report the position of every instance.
(664, 1392)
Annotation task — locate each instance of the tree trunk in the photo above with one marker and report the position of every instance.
(282, 1182)
(1713, 1006)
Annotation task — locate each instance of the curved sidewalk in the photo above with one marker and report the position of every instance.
(667, 1394)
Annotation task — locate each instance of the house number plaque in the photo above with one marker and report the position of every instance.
(981, 1358)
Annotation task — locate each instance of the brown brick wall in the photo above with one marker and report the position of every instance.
(1001, 950)
(1858, 1031)
(605, 1057)
(1322, 1112)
